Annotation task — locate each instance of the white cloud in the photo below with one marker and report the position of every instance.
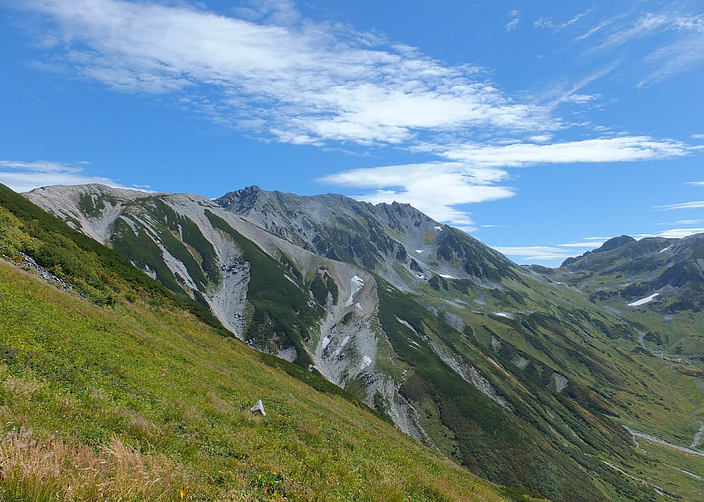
(300, 81)
(696, 183)
(473, 172)
(25, 176)
(697, 204)
(435, 188)
(293, 80)
(515, 19)
(593, 30)
(550, 254)
(674, 233)
(532, 254)
(620, 149)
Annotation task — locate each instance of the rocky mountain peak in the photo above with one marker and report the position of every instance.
(241, 201)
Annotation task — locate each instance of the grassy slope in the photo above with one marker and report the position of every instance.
(559, 330)
(140, 400)
(668, 334)
(526, 447)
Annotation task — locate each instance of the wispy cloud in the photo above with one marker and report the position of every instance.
(586, 243)
(573, 95)
(644, 25)
(25, 176)
(534, 254)
(674, 233)
(289, 79)
(550, 254)
(515, 19)
(697, 204)
(549, 23)
(676, 57)
(620, 149)
(592, 30)
(675, 41)
(297, 81)
(685, 222)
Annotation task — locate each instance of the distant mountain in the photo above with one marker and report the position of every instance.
(657, 283)
(518, 373)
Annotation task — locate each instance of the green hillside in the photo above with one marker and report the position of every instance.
(113, 391)
(511, 372)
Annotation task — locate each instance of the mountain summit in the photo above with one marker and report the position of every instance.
(378, 237)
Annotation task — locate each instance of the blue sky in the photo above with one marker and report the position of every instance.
(542, 128)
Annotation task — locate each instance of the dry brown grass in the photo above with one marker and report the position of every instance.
(41, 469)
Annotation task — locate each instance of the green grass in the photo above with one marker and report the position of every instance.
(557, 331)
(176, 395)
(131, 368)
(520, 448)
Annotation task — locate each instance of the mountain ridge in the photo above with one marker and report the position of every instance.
(136, 399)
(420, 321)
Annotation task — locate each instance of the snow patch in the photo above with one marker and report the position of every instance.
(291, 280)
(438, 228)
(507, 315)
(666, 249)
(419, 251)
(498, 367)
(445, 276)
(356, 283)
(406, 324)
(643, 301)
(366, 361)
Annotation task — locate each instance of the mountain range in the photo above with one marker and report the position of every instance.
(579, 383)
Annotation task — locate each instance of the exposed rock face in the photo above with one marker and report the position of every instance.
(178, 243)
(378, 237)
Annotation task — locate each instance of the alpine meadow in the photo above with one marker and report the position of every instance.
(376, 251)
